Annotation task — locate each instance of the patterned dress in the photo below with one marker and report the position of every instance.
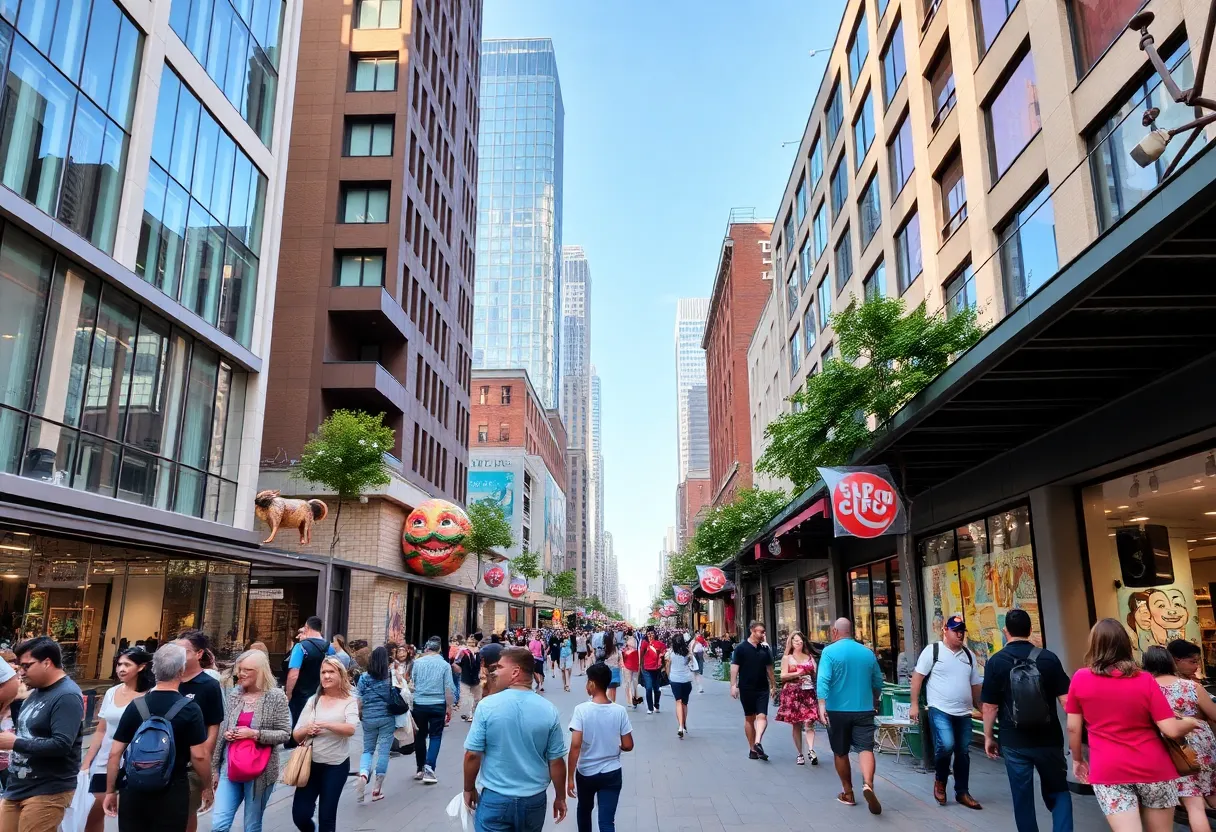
(798, 702)
(1184, 699)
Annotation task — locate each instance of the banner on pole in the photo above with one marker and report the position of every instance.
(865, 502)
(711, 578)
(683, 594)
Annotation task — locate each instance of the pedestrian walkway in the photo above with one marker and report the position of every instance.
(704, 783)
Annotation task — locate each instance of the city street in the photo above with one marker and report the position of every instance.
(704, 783)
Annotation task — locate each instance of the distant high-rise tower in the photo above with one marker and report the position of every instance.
(517, 301)
(595, 574)
(692, 412)
(576, 403)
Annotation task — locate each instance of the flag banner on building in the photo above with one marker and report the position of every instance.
(683, 594)
(669, 608)
(865, 502)
(711, 578)
(494, 575)
(518, 586)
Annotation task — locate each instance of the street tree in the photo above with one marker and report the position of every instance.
(346, 456)
(489, 531)
(886, 358)
(563, 587)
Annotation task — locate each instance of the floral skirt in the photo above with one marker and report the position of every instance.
(797, 705)
(1200, 784)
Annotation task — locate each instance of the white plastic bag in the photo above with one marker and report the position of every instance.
(457, 809)
(76, 815)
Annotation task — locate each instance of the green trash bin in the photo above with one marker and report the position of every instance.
(902, 695)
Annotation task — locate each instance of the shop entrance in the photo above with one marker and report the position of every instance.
(428, 613)
(279, 602)
(876, 595)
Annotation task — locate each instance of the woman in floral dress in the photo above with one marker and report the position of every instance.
(799, 707)
(1188, 698)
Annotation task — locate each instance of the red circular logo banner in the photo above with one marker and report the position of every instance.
(713, 579)
(494, 576)
(864, 504)
(517, 588)
(683, 596)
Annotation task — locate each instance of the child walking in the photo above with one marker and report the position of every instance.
(600, 732)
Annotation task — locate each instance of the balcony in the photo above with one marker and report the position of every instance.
(364, 385)
(370, 311)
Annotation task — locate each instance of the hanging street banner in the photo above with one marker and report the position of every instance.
(711, 578)
(669, 608)
(518, 586)
(865, 502)
(683, 594)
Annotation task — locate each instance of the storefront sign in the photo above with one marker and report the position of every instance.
(683, 594)
(494, 576)
(865, 502)
(267, 594)
(518, 586)
(712, 579)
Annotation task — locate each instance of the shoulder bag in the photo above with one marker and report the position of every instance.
(299, 766)
(247, 758)
(1184, 758)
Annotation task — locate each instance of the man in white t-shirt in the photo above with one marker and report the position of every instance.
(600, 731)
(952, 691)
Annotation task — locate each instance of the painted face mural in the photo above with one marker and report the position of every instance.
(494, 576)
(433, 538)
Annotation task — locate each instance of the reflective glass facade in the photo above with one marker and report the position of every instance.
(517, 305)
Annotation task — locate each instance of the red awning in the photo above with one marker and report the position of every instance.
(815, 509)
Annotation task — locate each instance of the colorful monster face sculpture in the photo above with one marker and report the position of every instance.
(494, 576)
(433, 538)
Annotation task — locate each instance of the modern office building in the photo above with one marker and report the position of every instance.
(611, 597)
(143, 175)
(741, 286)
(517, 310)
(595, 456)
(978, 155)
(576, 401)
(375, 304)
(692, 423)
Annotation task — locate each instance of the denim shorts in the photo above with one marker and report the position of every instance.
(616, 678)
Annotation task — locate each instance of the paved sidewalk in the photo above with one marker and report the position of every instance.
(704, 783)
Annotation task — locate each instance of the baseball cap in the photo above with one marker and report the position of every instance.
(956, 623)
(491, 653)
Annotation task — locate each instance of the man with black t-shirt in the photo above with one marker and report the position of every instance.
(1027, 749)
(209, 696)
(168, 809)
(752, 682)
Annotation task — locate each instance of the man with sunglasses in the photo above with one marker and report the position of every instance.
(46, 746)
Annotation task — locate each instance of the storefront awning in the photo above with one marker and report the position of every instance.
(819, 508)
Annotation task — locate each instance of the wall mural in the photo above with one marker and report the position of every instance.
(394, 620)
(432, 538)
(1158, 615)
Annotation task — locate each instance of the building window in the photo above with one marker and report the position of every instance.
(378, 14)
(504, 432)
(789, 232)
(808, 327)
(908, 261)
(1119, 183)
(817, 593)
(1013, 116)
(795, 354)
(859, 50)
(863, 129)
(365, 204)
(900, 154)
(484, 395)
(820, 231)
(875, 284)
(894, 66)
(369, 138)
(954, 195)
(876, 600)
(834, 115)
(844, 260)
(505, 395)
(800, 202)
(823, 299)
(374, 75)
(202, 222)
(106, 396)
(360, 269)
(992, 15)
(840, 187)
(805, 263)
(829, 352)
(816, 163)
(941, 84)
(791, 294)
(483, 433)
(66, 122)
(869, 212)
(1097, 24)
(1028, 249)
(238, 44)
(959, 291)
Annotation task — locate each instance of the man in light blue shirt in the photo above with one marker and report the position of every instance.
(434, 692)
(849, 681)
(517, 747)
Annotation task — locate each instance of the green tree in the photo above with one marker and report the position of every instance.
(562, 586)
(489, 531)
(726, 528)
(527, 565)
(346, 456)
(886, 358)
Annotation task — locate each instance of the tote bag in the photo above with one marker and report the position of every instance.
(299, 766)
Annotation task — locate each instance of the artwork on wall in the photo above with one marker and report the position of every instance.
(991, 584)
(1158, 615)
(394, 622)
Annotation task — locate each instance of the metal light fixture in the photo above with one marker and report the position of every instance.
(1153, 483)
(1134, 491)
(1152, 146)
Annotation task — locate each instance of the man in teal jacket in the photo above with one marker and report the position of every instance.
(848, 686)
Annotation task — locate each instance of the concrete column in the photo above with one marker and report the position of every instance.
(766, 604)
(913, 606)
(1064, 609)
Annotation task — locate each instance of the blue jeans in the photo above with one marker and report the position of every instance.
(607, 786)
(229, 797)
(650, 681)
(499, 813)
(456, 684)
(378, 740)
(428, 733)
(951, 736)
(1020, 765)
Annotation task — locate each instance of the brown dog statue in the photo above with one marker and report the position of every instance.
(276, 512)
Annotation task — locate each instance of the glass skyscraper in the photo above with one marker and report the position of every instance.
(517, 303)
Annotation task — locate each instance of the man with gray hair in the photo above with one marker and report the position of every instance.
(848, 684)
(434, 691)
(167, 809)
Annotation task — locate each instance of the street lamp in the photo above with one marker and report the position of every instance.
(1152, 146)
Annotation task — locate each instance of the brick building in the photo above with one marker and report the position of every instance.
(692, 495)
(741, 287)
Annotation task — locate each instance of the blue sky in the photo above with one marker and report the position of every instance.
(675, 113)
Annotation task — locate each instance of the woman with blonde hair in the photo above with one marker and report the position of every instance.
(328, 721)
(245, 763)
(799, 708)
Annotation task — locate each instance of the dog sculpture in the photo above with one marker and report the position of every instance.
(276, 512)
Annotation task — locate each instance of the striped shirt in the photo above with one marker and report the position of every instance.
(432, 678)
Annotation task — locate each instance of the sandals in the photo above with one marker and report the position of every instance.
(800, 761)
(464, 717)
(814, 758)
(377, 795)
(846, 798)
(567, 688)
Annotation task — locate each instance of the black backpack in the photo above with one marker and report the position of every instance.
(1027, 705)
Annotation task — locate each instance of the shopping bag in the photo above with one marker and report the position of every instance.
(75, 816)
(456, 808)
(299, 766)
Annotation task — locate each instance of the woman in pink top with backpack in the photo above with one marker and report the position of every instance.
(1125, 713)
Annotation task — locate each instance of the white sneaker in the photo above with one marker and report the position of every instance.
(428, 776)
(650, 711)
